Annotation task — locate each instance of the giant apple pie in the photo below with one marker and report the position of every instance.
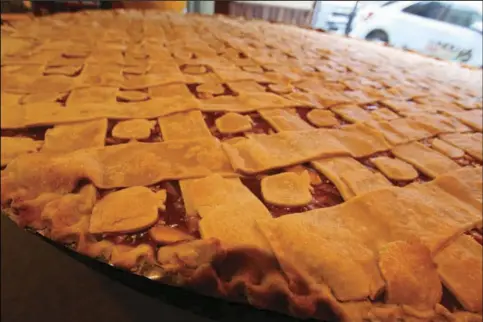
(311, 174)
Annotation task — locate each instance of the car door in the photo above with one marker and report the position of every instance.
(418, 25)
(460, 41)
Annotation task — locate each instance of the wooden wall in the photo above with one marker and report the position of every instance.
(271, 13)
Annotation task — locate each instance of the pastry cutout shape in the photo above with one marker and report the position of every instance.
(322, 118)
(125, 211)
(395, 169)
(233, 123)
(287, 189)
(137, 129)
(166, 235)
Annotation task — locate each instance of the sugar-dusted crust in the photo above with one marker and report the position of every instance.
(314, 175)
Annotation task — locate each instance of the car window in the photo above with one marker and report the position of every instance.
(427, 9)
(462, 16)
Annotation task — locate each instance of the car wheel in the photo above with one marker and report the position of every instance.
(377, 36)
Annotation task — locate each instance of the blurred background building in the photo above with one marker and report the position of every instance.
(327, 15)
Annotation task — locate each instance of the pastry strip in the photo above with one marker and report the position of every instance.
(65, 138)
(426, 160)
(184, 126)
(284, 120)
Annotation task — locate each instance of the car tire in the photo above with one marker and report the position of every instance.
(378, 35)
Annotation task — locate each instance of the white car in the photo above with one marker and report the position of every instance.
(450, 30)
(332, 16)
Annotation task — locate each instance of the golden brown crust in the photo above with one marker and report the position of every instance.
(410, 275)
(460, 265)
(12, 147)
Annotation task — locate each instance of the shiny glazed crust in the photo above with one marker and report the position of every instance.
(305, 173)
